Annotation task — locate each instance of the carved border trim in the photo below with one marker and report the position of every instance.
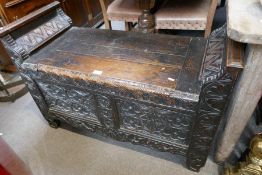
(44, 32)
(145, 97)
(172, 93)
(63, 15)
(214, 63)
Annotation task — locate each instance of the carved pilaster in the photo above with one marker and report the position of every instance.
(217, 85)
(214, 97)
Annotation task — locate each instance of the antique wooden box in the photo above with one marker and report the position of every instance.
(165, 92)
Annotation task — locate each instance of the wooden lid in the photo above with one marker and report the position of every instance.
(150, 60)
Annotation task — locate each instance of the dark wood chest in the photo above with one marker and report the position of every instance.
(165, 92)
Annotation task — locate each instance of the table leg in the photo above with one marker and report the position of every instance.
(146, 22)
(247, 94)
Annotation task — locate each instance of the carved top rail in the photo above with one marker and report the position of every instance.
(30, 32)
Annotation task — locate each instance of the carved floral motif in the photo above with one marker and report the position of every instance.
(160, 123)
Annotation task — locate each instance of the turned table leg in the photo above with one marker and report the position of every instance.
(146, 22)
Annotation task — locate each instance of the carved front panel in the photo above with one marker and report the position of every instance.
(69, 101)
(160, 123)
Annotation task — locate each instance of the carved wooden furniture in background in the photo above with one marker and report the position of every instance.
(146, 21)
(83, 12)
(170, 14)
(12, 10)
(165, 92)
(186, 15)
(5, 60)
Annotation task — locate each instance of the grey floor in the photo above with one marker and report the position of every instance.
(49, 151)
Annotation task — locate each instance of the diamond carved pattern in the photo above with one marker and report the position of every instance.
(43, 33)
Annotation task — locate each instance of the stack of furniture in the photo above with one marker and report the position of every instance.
(11, 87)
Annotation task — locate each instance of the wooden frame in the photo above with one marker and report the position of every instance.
(210, 17)
(104, 5)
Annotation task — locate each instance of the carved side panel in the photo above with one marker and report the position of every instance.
(161, 124)
(79, 104)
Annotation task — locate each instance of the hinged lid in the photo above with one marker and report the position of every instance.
(150, 62)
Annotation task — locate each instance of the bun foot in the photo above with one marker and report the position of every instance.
(54, 123)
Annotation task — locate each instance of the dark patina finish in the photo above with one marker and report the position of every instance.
(165, 92)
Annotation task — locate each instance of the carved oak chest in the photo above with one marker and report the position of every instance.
(165, 92)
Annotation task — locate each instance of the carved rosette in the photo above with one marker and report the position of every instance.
(162, 124)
